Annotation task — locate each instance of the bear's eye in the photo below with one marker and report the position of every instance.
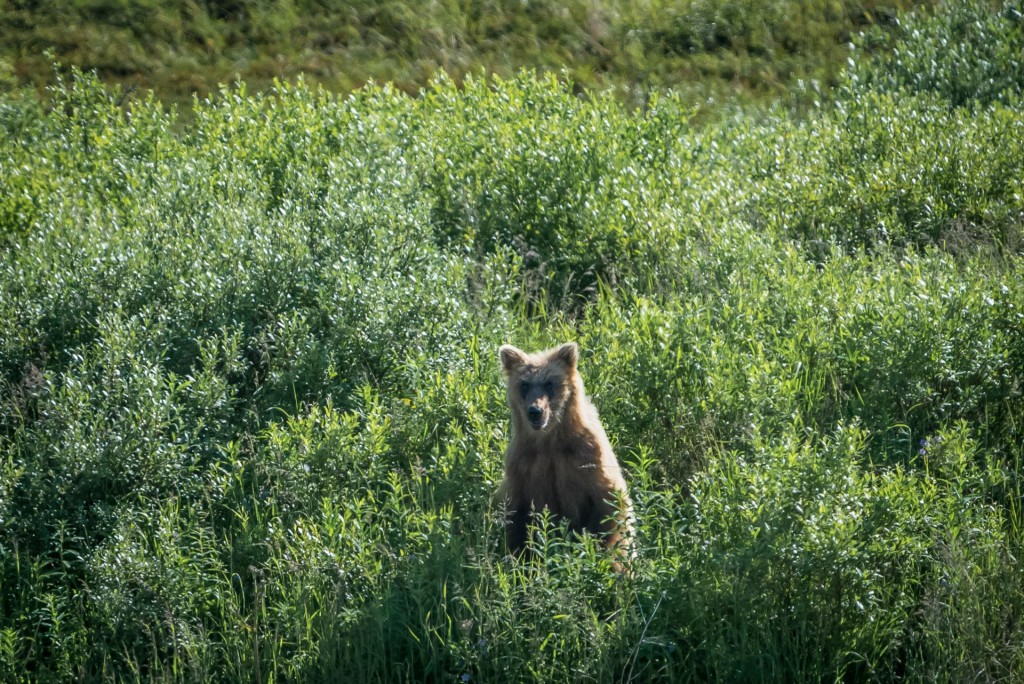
(549, 387)
(524, 388)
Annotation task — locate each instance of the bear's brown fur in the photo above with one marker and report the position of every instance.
(559, 457)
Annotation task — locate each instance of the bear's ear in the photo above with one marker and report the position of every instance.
(569, 354)
(511, 358)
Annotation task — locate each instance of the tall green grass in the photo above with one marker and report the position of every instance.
(737, 50)
(251, 420)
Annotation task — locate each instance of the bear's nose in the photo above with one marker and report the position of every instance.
(534, 412)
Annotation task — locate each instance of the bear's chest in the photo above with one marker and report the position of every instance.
(560, 481)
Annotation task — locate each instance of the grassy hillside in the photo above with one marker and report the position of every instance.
(738, 49)
(251, 418)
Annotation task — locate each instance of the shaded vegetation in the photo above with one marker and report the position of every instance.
(251, 419)
(738, 49)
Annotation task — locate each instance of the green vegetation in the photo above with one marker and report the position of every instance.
(740, 49)
(251, 418)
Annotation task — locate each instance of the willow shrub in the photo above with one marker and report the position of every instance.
(967, 54)
(251, 421)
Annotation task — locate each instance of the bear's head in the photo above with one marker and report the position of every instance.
(540, 385)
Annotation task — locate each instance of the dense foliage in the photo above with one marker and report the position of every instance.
(251, 420)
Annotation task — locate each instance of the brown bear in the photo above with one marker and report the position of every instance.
(559, 457)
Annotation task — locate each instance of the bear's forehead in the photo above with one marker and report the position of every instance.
(542, 373)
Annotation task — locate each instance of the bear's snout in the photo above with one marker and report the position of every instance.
(535, 414)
